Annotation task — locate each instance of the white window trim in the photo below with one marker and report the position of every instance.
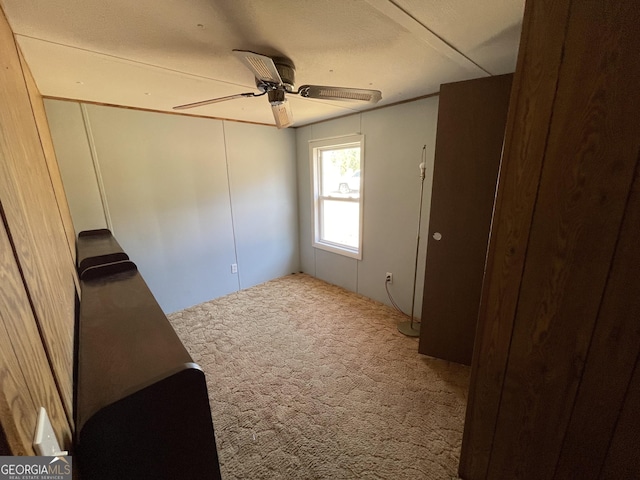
(315, 188)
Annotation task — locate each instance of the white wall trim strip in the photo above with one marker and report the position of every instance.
(96, 167)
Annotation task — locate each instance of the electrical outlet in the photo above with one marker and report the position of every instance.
(388, 277)
(234, 268)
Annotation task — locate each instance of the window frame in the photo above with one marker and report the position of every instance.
(334, 143)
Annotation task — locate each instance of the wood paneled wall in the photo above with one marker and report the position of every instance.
(555, 383)
(46, 142)
(37, 298)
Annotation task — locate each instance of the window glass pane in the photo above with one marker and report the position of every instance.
(337, 166)
(340, 172)
(340, 222)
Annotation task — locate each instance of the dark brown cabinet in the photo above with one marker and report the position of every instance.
(142, 407)
(471, 123)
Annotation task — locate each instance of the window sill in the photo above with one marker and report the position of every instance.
(344, 251)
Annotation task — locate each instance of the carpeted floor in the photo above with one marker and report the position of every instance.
(310, 381)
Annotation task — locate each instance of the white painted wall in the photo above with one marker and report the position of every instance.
(76, 168)
(186, 196)
(394, 138)
(262, 175)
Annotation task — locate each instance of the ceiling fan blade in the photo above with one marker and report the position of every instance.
(282, 113)
(340, 93)
(262, 66)
(215, 100)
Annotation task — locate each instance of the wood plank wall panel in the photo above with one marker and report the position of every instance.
(16, 407)
(17, 410)
(578, 294)
(32, 384)
(532, 97)
(588, 168)
(32, 214)
(623, 461)
(610, 361)
(40, 116)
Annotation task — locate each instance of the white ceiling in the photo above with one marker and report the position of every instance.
(156, 54)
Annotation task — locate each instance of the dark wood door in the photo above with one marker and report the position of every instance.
(471, 123)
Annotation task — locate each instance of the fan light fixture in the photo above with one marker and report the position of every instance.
(275, 76)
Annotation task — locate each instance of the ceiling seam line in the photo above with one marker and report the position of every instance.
(440, 45)
(132, 61)
(203, 77)
(439, 37)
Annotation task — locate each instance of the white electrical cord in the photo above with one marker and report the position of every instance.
(393, 302)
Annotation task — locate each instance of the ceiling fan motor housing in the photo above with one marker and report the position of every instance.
(287, 72)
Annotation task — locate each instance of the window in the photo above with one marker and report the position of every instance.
(337, 169)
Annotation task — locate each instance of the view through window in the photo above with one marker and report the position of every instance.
(337, 172)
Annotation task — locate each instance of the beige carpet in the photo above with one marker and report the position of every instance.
(310, 381)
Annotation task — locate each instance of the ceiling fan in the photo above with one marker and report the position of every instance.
(275, 77)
